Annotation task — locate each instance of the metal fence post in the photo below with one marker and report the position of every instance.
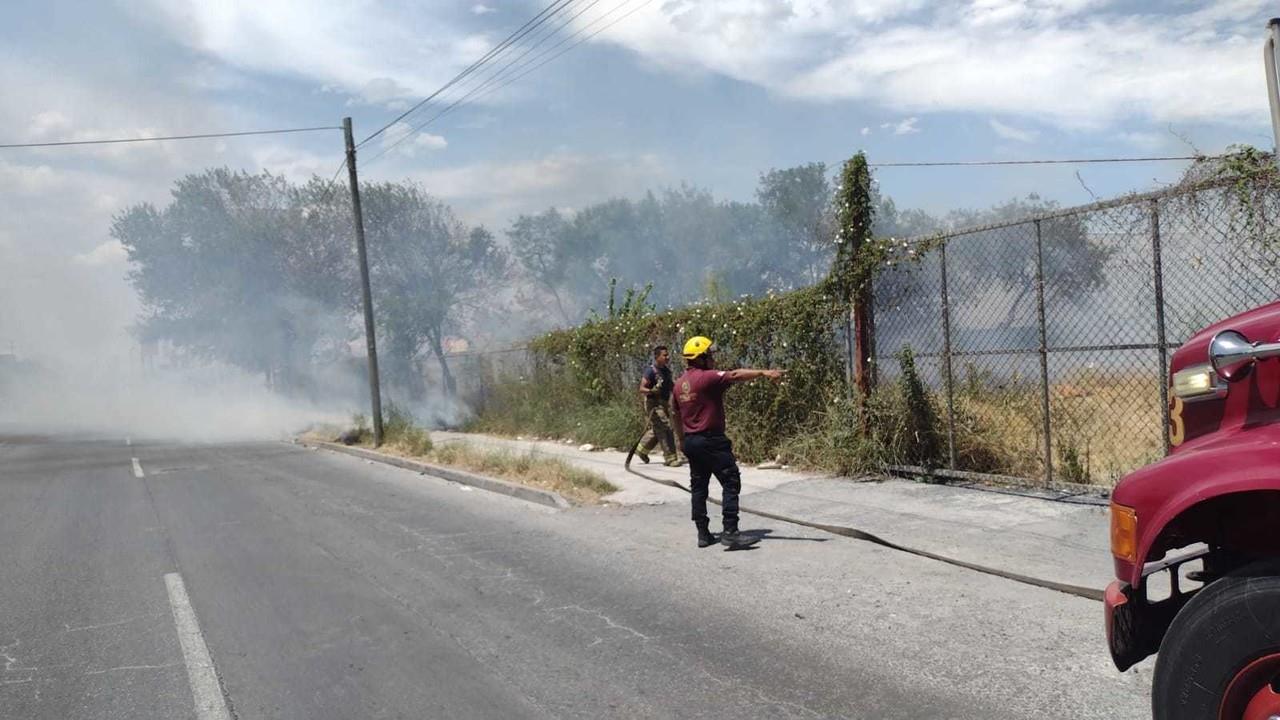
(1161, 341)
(1044, 359)
(848, 347)
(946, 362)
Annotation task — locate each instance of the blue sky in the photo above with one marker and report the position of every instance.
(710, 92)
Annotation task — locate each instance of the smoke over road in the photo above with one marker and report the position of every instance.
(203, 404)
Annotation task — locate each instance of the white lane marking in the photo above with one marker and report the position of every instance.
(137, 468)
(204, 680)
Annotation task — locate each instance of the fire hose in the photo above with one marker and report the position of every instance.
(857, 534)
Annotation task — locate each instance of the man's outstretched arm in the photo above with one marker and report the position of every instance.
(746, 374)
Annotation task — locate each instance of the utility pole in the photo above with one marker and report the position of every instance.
(375, 393)
(1269, 50)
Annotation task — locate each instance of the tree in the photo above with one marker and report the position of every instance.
(541, 245)
(1074, 262)
(425, 266)
(797, 203)
(257, 272)
(213, 270)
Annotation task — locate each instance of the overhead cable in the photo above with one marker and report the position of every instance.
(200, 136)
(1073, 161)
(545, 14)
(487, 81)
(576, 34)
(481, 91)
(506, 70)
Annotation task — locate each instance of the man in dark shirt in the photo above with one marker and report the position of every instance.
(699, 403)
(655, 387)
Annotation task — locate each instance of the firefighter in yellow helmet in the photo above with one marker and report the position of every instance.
(699, 404)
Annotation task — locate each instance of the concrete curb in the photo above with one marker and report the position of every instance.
(522, 492)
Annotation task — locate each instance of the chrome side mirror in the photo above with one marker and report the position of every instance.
(1233, 356)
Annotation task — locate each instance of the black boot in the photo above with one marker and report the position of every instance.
(705, 538)
(730, 536)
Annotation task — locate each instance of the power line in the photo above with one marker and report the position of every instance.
(1073, 161)
(117, 141)
(488, 80)
(506, 70)
(524, 73)
(576, 34)
(498, 49)
(338, 172)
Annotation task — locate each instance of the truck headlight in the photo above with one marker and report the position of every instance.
(1124, 533)
(1197, 382)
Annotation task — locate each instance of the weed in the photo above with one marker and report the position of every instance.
(554, 406)
(572, 482)
(922, 446)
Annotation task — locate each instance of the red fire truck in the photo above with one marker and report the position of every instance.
(1208, 514)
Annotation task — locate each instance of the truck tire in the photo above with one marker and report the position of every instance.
(1221, 656)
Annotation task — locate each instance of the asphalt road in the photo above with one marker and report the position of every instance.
(324, 586)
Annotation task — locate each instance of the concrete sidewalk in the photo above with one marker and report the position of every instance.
(1062, 542)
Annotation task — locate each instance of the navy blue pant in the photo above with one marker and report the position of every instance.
(712, 454)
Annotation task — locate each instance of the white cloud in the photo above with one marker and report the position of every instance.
(1009, 132)
(1152, 142)
(430, 142)
(1074, 63)
(47, 124)
(906, 126)
(110, 252)
(384, 90)
(410, 48)
(294, 164)
(866, 131)
(482, 9)
(400, 139)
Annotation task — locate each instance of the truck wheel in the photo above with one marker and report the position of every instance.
(1221, 656)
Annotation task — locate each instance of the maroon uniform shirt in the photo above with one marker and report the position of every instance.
(699, 399)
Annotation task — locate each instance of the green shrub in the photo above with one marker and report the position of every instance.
(921, 442)
(584, 382)
(1073, 465)
(835, 442)
(400, 431)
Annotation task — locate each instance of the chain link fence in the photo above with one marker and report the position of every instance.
(1047, 339)
(477, 373)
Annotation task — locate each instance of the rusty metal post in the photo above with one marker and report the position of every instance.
(1046, 429)
(946, 361)
(849, 366)
(1157, 275)
(869, 330)
(862, 341)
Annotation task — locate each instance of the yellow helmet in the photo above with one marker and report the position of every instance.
(696, 347)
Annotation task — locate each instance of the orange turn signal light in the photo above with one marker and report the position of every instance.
(1124, 533)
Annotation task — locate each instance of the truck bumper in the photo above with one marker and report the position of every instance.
(1134, 626)
(1118, 612)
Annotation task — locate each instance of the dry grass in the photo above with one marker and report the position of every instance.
(1102, 426)
(1115, 422)
(578, 486)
